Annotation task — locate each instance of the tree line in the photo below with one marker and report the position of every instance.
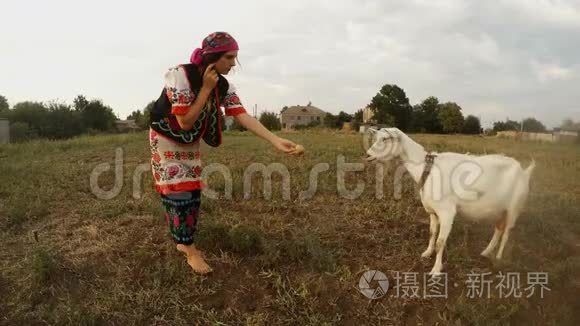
(56, 120)
(389, 107)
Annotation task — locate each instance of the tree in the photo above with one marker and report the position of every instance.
(472, 125)
(147, 115)
(57, 120)
(391, 106)
(332, 121)
(4, 107)
(138, 117)
(97, 116)
(508, 125)
(80, 103)
(53, 120)
(34, 114)
(429, 115)
(418, 119)
(357, 119)
(344, 117)
(21, 131)
(341, 118)
(135, 115)
(450, 117)
(533, 125)
(568, 124)
(270, 121)
(63, 122)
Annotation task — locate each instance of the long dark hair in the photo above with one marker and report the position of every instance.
(210, 58)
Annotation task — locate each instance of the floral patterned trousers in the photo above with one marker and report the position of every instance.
(181, 214)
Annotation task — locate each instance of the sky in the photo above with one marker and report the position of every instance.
(496, 59)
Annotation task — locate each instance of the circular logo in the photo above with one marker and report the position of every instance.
(373, 284)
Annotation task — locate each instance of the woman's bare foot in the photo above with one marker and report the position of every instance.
(195, 259)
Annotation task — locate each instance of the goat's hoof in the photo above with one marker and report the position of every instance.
(435, 273)
(426, 254)
(486, 254)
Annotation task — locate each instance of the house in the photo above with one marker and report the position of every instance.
(368, 115)
(301, 115)
(128, 125)
(567, 134)
(368, 121)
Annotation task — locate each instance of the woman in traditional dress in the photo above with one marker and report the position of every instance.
(189, 110)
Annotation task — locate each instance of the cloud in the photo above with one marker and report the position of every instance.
(550, 71)
(504, 58)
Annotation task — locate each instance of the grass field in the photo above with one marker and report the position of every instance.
(67, 257)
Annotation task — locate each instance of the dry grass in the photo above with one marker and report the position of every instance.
(276, 261)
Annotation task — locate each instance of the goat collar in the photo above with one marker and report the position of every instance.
(429, 159)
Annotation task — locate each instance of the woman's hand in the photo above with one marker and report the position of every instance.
(281, 144)
(284, 145)
(210, 77)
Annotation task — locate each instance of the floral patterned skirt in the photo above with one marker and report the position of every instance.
(181, 214)
(176, 167)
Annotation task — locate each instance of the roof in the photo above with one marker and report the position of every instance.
(303, 110)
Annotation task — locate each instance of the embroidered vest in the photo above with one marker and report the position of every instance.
(208, 125)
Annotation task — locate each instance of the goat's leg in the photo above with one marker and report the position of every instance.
(511, 217)
(433, 226)
(499, 229)
(446, 217)
(504, 238)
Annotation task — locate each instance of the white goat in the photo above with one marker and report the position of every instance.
(488, 187)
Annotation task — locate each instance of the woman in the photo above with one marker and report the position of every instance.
(187, 111)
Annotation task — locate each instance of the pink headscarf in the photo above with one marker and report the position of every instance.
(215, 42)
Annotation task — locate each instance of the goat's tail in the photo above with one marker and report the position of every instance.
(530, 168)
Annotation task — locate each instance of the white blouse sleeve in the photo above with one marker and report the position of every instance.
(232, 104)
(178, 90)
